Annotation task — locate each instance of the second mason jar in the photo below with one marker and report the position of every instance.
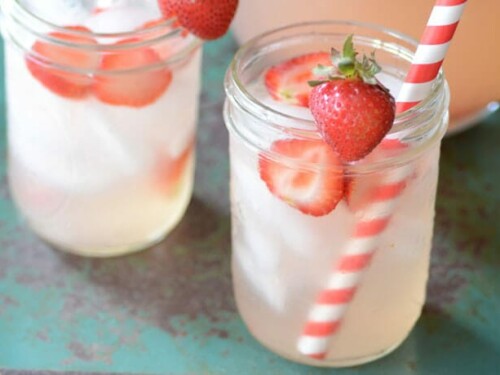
(318, 286)
(102, 111)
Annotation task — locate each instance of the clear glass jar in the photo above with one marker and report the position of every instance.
(283, 259)
(102, 109)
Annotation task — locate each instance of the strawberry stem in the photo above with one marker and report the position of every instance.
(346, 65)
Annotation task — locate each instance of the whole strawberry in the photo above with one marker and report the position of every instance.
(207, 19)
(352, 110)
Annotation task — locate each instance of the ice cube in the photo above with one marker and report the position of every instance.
(60, 12)
(179, 106)
(75, 150)
(263, 276)
(122, 17)
(67, 143)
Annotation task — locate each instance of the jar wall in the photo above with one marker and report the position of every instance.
(283, 256)
(109, 170)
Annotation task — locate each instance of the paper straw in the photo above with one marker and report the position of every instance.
(325, 317)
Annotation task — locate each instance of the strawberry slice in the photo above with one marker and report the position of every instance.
(62, 82)
(314, 191)
(169, 170)
(288, 81)
(126, 78)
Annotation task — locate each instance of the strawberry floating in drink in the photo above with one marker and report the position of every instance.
(170, 170)
(314, 192)
(47, 62)
(288, 81)
(352, 110)
(207, 19)
(124, 81)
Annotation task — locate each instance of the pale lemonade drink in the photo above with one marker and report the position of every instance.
(107, 169)
(282, 257)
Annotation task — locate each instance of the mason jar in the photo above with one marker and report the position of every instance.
(319, 285)
(102, 107)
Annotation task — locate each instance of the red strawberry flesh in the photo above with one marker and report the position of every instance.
(170, 170)
(314, 190)
(127, 77)
(288, 81)
(46, 57)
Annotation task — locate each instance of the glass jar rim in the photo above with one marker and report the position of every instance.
(148, 36)
(406, 123)
(31, 16)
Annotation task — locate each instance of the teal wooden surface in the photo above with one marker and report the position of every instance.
(170, 310)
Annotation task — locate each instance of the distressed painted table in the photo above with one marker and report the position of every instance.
(169, 310)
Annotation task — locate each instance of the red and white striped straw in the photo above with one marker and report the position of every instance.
(430, 53)
(325, 317)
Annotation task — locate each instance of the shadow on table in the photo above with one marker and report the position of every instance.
(468, 199)
(447, 346)
(466, 239)
(438, 345)
(185, 277)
